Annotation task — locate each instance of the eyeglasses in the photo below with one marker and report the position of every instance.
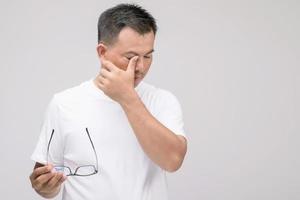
(83, 170)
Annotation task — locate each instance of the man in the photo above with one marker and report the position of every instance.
(114, 136)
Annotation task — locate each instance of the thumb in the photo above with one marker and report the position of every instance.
(132, 64)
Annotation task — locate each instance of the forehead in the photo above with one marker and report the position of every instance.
(130, 40)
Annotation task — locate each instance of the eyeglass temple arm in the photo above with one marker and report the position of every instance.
(48, 146)
(87, 131)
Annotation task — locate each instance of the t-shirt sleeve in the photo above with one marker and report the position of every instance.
(51, 124)
(169, 112)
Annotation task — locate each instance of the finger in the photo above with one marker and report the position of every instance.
(132, 64)
(99, 81)
(100, 85)
(42, 179)
(108, 65)
(41, 170)
(105, 73)
(63, 178)
(54, 180)
(102, 80)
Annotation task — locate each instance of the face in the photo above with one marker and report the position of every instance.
(129, 44)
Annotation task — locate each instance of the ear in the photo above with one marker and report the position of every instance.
(101, 50)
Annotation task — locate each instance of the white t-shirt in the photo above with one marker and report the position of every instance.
(125, 171)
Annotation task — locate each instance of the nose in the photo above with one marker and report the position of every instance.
(139, 64)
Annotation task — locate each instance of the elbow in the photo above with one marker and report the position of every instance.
(177, 156)
(174, 164)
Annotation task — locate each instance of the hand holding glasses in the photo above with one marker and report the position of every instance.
(82, 170)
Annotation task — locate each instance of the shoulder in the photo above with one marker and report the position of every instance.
(159, 96)
(157, 91)
(67, 96)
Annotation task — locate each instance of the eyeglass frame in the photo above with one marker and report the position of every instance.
(96, 169)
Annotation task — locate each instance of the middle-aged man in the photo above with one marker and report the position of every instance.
(114, 136)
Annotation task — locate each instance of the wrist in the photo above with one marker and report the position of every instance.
(131, 99)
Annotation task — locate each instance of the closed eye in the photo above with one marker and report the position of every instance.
(128, 58)
(146, 56)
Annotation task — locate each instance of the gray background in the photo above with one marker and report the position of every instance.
(234, 66)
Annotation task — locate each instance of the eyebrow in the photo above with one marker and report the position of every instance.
(135, 53)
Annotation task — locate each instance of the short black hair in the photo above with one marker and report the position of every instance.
(114, 19)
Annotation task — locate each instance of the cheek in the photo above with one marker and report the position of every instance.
(148, 63)
(119, 62)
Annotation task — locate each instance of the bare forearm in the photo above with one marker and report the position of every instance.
(161, 145)
(158, 142)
